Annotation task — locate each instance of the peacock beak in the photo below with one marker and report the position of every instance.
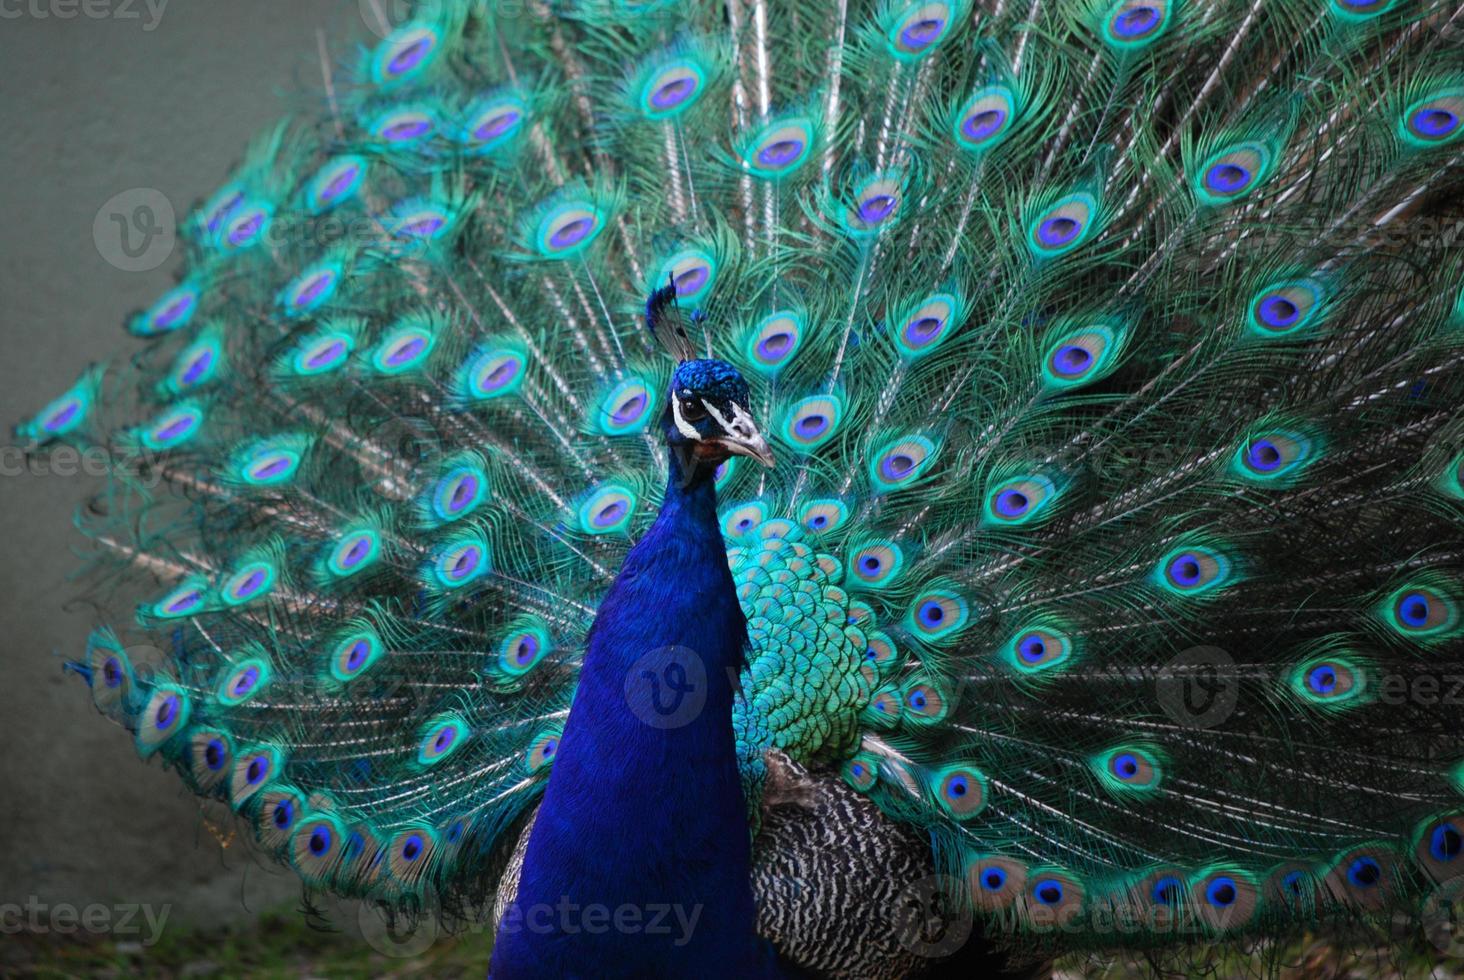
(740, 436)
(752, 444)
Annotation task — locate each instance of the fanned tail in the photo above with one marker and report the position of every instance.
(1113, 350)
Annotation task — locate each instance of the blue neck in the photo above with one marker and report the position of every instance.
(644, 814)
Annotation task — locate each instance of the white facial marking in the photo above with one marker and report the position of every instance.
(683, 426)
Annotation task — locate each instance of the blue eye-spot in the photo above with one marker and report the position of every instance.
(1167, 890)
(1364, 872)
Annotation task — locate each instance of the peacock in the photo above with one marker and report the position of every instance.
(817, 488)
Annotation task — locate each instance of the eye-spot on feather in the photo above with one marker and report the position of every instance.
(861, 772)
(1194, 571)
(317, 847)
(458, 492)
(210, 757)
(780, 148)
(111, 679)
(918, 29)
(255, 767)
(875, 205)
(774, 340)
(927, 324)
(1274, 456)
(174, 427)
(1421, 610)
(411, 853)
(1053, 897)
(1133, 24)
(243, 681)
(322, 353)
(885, 708)
(524, 647)
(404, 348)
(672, 88)
(881, 651)
(1364, 877)
(1438, 847)
(1227, 898)
(924, 703)
(626, 409)
(491, 123)
(277, 814)
(197, 364)
(459, 562)
(961, 790)
(995, 882)
(355, 551)
(937, 614)
(1062, 226)
(184, 599)
(163, 716)
(269, 462)
(246, 227)
(404, 54)
(986, 119)
(568, 229)
(1294, 886)
(354, 654)
(311, 289)
(251, 581)
(404, 127)
(493, 372)
(692, 271)
(172, 311)
(1435, 119)
(901, 462)
(823, 516)
(1232, 173)
(811, 422)
(1331, 681)
(337, 181)
(1359, 10)
(744, 519)
(1285, 308)
(1128, 769)
(875, 564)
(1038, 649)
(440, 738)
(1020, 500)
(608, 509)
(541, 751)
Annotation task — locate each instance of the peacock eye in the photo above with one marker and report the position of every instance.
(692, 410)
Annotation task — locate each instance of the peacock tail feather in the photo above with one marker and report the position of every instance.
(1114, 355)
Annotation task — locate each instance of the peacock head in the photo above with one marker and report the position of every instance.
(706, 418)
(707, 414)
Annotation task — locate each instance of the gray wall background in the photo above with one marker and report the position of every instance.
(91, 106)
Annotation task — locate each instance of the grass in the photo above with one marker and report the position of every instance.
(283, 944)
